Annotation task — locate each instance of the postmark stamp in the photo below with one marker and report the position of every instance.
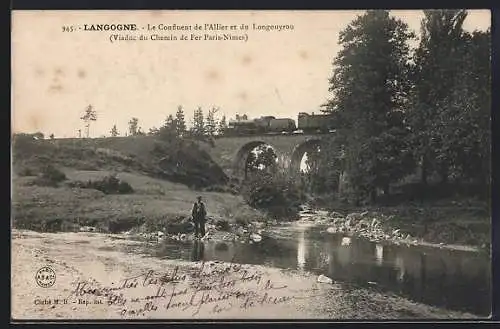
(45, 277)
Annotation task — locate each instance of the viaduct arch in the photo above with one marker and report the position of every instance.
(231, 153)
(241, 158)
(299, 151)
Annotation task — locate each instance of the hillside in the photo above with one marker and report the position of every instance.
(175, 160)
(68, 184)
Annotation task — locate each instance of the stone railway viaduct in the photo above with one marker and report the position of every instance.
(230, 153)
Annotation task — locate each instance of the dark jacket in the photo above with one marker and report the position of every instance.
(199, 212)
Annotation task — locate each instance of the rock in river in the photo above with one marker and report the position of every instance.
(331, 230)
(256, 237)
(324, 279)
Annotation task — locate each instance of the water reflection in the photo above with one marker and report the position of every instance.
(198, 251)
(400, 266)
(379, 254)
(346, 241)
(301, 250)
(452, 279)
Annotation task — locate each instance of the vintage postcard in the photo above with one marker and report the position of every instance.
(286, 165)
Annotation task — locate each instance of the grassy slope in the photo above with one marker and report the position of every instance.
(89, 159)
(154, 199)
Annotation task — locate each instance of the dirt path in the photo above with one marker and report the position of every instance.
(95, 281)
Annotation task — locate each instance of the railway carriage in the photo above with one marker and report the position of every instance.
(307, 123)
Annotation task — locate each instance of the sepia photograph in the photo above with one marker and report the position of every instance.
(251, 165)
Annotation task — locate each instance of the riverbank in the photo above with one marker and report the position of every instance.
(451, 227)
(155, 204)
(162, 206)
(83, 275)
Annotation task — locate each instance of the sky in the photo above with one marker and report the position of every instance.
(56, 74)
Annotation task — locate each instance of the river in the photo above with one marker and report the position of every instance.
(370, 280)
(451, 279)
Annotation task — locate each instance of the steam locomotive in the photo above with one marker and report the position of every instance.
(307, 123)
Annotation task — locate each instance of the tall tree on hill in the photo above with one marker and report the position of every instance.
(133, 127)
(170, 122)
(211, 123)
(169, 128)
(221, 127)
(370, 88)
(180, 122)
(89, 116)
(198, 129)
(438, 63)
(114, 131)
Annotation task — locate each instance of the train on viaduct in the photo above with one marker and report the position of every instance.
(306, 124)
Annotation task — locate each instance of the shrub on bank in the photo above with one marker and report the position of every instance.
(44, 225)
(178, 224)
(49, 176)
(222, 225)
(108, 185)
(277, 194)
(124, 224)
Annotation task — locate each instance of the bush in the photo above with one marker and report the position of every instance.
(40, 225)
(108, 185)
(50, 176)
(242, 221)
(124, 224)
(222, 189)
(222, 225)
(25, 171)
(179, 224)
(279, 195)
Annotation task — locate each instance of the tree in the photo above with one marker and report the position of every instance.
(133, 127)
(319, 178)
(169, 128)
(222, 126)
(171, 123)
(153, 131)
(369, 86)
(198, 129)
(461, 128)
(438, 62)
(262, 159)
(211, 123)
(89, 116)
(114, 131)
(180, 122)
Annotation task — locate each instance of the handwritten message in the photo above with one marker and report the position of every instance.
(205, 289)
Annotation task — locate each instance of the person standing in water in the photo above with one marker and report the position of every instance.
(199, 214)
